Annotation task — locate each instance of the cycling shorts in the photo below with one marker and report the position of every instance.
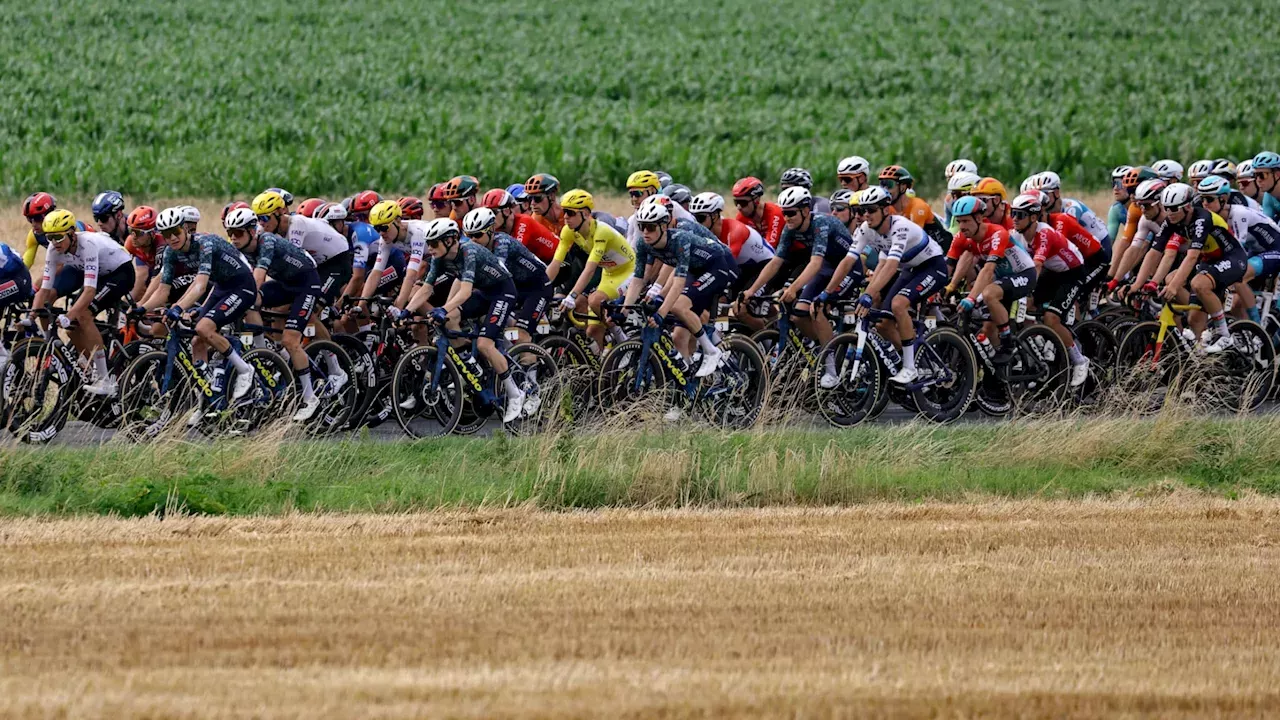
(704, 290)
(111, 287)
(1225, 272)
(300, 292)
(228, 303)
(494, 305)
(1057, 292)
(917, 283)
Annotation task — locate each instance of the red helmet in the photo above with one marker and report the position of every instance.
(39, 205)
(497, 198)
(142, 218)
(436, 193)
(226, 209)
(748, 187)
(364, 202)
(309, 206)
(410, 207)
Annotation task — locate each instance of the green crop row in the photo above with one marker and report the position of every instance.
(215, 98)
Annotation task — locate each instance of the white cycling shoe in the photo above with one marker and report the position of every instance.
(242, 385)
(337, 381)
(409, 403)
(308, 409)
(531, 405)
(710, 361)
(1222, 343)
(675, 414)
(515, 405)
(905, 376)
(103, 386)
(1080, 373)
(828, 380)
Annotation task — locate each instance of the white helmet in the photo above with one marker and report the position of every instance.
(1169, 170)
(841, 197)
(440, 229)
(1028, 202)
(963, 182)
(1149, 190)
(478, 220)
(792, 177)
(854, 165)
(1176, 195)
(653, 212)
(1048, 181)
(794, 196)
(707, 202)
(189, 214)
(169, 218)
(874, 196)
(333, 212)
(1199, 170)
(955, 167)
(240, 218)
(1031, 183)
(1245, 169)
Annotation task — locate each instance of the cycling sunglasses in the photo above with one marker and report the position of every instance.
(1019, 214)
(171, 232)
(650, 227)
(742, 202)
(264, 219)
(381, 228)
(636, 193)
(439, 204)
(888, 184)
(790, 212)
(701, 217)
(59, 237)
(475, 235)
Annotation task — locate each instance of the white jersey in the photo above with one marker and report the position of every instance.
(1257, 232)
(1087, 219)
(906, 242)
(96, 253)
(414, 244)
(317, 237)
(633, 227)
(754, 248)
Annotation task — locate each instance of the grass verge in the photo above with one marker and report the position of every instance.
(914, 462)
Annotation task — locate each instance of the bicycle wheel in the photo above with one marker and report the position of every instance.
(618, 388)
(1247, 370)
(39, 391)
(1100, 345)
(1042, 355)
(855, 398)
(146, 410)
(422, 410)
(576, 376)
(337, 401)
(734, 396)
(363, 375)
(1147, 370)
(949, 369)
(272, 395)
(536, 373)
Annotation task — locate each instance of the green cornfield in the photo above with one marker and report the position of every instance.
(214, 98)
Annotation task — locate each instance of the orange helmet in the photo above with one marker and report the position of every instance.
(463, 186)
(1135, 176)
(990, 186)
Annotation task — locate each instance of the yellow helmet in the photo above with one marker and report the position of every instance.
(384, 213)
(577, 200)
(990, 186)
(267, 203)
(59, 221)
(644, 179)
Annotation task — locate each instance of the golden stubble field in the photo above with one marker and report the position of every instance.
(1163, 606)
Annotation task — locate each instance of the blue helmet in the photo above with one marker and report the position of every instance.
(1266, 160)
(968, 205)
(1214, 185)
(517, 191)
(107, 204)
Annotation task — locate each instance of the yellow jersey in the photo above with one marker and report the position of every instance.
(604, 246)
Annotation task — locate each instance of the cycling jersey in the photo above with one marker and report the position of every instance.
(917, 211)
(535, 236)
(365, 241)
(744, 241)
(1053, 251)
(37, 240)
(281, 258)
(210, 255)
(994, 245)
(524, 266)
(694, 227)
(15, 281)
(905, 242)
(413, 242)
(771, 225)
(1132, 215)
(619, 224)
(1258, 232)
(632, 232)
(1271, 206)
(554, 226)
(604, 245)
(826, 237)
(685, 252)
(1240, 199)
(317, 237)
(1115, 218)
(1087, 219)
(145, 257)
(95, 253)
(1207, 232)
(472, 264)
(1073, 231)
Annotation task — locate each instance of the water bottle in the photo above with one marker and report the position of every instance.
(984, 347)
(219, 376)
(890, 353)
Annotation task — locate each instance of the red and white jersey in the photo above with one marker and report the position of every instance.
(1075, 233)
(746, 243)
(1049, 247)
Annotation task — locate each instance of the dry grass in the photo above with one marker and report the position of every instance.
(1161, 606)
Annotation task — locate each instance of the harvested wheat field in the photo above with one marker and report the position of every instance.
(1164, 606)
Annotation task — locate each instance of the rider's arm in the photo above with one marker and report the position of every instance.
(193, 293)
(885, 271)
(1166, 264)
(562, 250)
(1137, 250)
(985, 276)
(410, 279)
(1150, 262)
(461, 294)
(1180, 276)
(766, 274)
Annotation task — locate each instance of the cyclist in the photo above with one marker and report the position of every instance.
(528, 272)
(463, 194)
(852, 173)
(1050, 184)
(411, 207)
(329, 248)
(1225, 169)
(483, 290)
(679, 194)
(1157, 261)
(288, 197)
(407, 236)
(364, 242)
(107, 277)
(15, 287)
(959, 185)
(1060, 272)
(544, 199)
(108, 215)
(1214, 261)
(1097, 259)
(1245, 181)
(362, 204)
(898, 182)
(520, 196)
(701, 270)
(1132, 178)
(1169, 171)
(190, 217)
(144, 245)
(307, 208)
(750, 251)
(605, 247)
(765, 217)
(294, 282)
(817, 243)
(34, 209)
(1259, 234)
(1120, 196)
(1008, 273)
(996, 201)
(954, 168)
(524, 228)
(799, 177)
(1198, 171)
(912, 266)
(642, 185)
(1266, 174)
(438, 202)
